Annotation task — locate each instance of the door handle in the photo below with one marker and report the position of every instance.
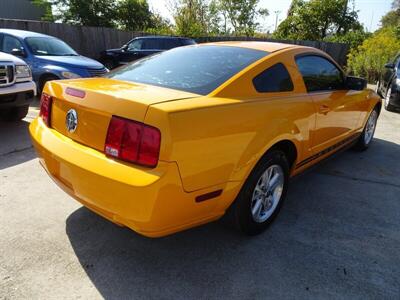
(324, 109)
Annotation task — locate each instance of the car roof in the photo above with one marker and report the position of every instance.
(264, 46)
(162, 37)
(23, 33)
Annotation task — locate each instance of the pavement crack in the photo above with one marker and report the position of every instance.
(16, 151)
(360, 179)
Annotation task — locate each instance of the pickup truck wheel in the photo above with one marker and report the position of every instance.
(262, 196)
(367, 135)
(16, 113)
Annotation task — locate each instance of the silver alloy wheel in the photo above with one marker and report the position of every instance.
(267, 193)
(370, 127)
(387, 98)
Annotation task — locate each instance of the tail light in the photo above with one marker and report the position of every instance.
(45, 108)
(133, 142)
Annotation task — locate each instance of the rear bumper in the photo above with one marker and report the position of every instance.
(18, 94)
(150, 201)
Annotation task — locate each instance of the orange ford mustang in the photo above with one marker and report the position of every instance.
(180, 138)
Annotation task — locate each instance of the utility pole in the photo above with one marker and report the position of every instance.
(277, 13)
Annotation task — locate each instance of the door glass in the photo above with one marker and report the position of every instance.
(320, 74)
(10, 43)
(151, 44)
(135, 45)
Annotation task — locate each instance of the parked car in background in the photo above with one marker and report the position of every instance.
(182, 137)
(388, 87)
(48, 57)
(16, 87)
(140, 47)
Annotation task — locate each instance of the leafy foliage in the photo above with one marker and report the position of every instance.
(209, 17)
(87, 12)
(318, 19)
(352, 38)
(368, 60)
(46, 5)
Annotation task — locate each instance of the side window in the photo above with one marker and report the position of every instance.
(151, 44)
(170, 43)
(319, 73)
(135, 45)
(10, 43)
(273, 79)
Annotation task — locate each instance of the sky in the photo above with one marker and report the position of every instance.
(370, 11)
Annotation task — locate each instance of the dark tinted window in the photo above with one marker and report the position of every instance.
(197, 69)
(274, 79)
(170, 43)
(151, 44)
(10, 43)
(319, 74)
(187, 42)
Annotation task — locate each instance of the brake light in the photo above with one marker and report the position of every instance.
(45, 108)
(133, 142)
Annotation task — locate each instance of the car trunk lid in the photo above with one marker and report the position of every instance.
(95, 101)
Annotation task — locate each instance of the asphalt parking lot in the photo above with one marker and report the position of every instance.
(338, 236)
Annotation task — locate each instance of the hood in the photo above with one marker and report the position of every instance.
(72, 61)
(4, 57)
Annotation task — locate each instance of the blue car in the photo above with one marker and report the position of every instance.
(48, 57)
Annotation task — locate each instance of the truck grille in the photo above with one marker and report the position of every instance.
(97, 72)
(7, 74)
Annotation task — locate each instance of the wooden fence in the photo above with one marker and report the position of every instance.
(90, 41)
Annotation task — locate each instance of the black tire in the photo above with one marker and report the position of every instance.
(388, 106)
(363, 143)
(240, 213)
(44, 80)
(16, 113)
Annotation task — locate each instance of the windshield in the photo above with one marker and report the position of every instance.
(49, 46)
(196, 69)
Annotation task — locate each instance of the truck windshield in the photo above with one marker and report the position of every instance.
(196, 69)
(49, 46)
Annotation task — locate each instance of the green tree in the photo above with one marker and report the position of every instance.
(368, 60)
(318, 19)
(392, 18)
(87, 12)
(242, 15)
(46, 5)
(135, 15)
(191, 17)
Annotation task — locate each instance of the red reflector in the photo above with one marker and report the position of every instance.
(45, 108)
(133, 141)
(75, 93)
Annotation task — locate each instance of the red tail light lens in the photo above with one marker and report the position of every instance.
(133, 142)
(45, 108)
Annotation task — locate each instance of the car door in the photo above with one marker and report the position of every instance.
(152, 46)
(337, 108)
(132, 52)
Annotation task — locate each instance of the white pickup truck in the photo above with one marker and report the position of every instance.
(17, 90)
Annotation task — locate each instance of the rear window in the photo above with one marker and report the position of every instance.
(274, 79)
(194, 69)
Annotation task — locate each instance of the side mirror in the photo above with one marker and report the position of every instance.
(356, 83)
(390, 66)
(18, 52)
(124, 47)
